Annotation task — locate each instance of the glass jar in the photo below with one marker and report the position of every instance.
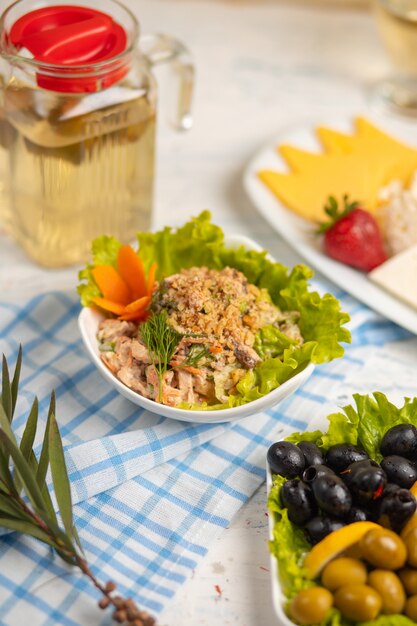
(77, 138)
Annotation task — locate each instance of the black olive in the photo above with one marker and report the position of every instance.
(396, 508)
(399, 470)
(356, 515)
(373, 507)
(332, 495)
(354, 467)
(400, 440)
(319, 527)
(366, 481)
(299, 500)
(312, 454)
(390, 489)
(314, 471)
(286, 459)
(340, 456)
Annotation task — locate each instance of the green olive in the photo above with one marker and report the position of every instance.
(390, 588)
(411, 608)
(410, 541)
(310, 606)
(412, 523)
(343, 571)
(360, 603)
(354, 552)
(383, 548)
(409, 580)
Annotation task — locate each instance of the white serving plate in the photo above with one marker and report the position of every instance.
(88, 322)
(299, 232)
(278, 598)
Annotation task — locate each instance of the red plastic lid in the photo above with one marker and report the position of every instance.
(71, 36)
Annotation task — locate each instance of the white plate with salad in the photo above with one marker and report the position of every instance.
(201, 327)
(300, 233)
(357, 565)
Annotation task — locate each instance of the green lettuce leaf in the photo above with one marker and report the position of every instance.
(364, 425)
(197, 243)
(201, 243)
(320, 320)
(104, 252)
(270, 342)
(390, 620)
(289, 544)
(289, 547)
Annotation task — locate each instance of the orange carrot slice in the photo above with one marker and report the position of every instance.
(151, 278)
(132, 271)
(137, 305)
(134, 316)
(108, 305)
(111, 285)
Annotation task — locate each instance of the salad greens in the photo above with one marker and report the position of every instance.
(364, 425)
(201, 243)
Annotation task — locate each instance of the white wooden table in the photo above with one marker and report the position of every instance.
(261, 67)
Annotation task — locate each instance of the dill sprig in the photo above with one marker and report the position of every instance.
(196, 353)
(161, 340)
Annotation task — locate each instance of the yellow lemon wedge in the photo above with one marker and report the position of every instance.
(334, 544)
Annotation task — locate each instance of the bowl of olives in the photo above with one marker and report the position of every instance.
(343, 519)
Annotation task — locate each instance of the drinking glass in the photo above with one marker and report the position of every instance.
(77, 141)
(397, 25)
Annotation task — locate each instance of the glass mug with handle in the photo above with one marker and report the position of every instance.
(77, 124)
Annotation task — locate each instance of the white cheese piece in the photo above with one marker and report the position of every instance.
(398, 275)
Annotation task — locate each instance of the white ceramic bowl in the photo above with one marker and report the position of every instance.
(88, 322)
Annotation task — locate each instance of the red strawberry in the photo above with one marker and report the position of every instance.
(352, 236)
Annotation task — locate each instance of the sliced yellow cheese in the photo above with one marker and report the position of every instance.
(398, 276)
(399, 161)
(371, 140)
(377, 138)
(306, 191)
(299, 160)
(335, 142)
(303, 161)
(401, 158)
(358, 165)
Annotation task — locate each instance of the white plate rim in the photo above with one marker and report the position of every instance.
(278, 597)
(293, 228)
(89, 319)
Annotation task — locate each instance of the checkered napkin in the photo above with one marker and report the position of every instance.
(150, 493)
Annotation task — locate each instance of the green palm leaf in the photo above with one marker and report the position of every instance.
(20, 468)
(27, 479)
(44, 458)
(60, 476)
(28, 528)
(29, 433)
(16, 378)
(8, 506)
(6, 390)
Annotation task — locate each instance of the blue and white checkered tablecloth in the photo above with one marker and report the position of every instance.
(150, 493)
